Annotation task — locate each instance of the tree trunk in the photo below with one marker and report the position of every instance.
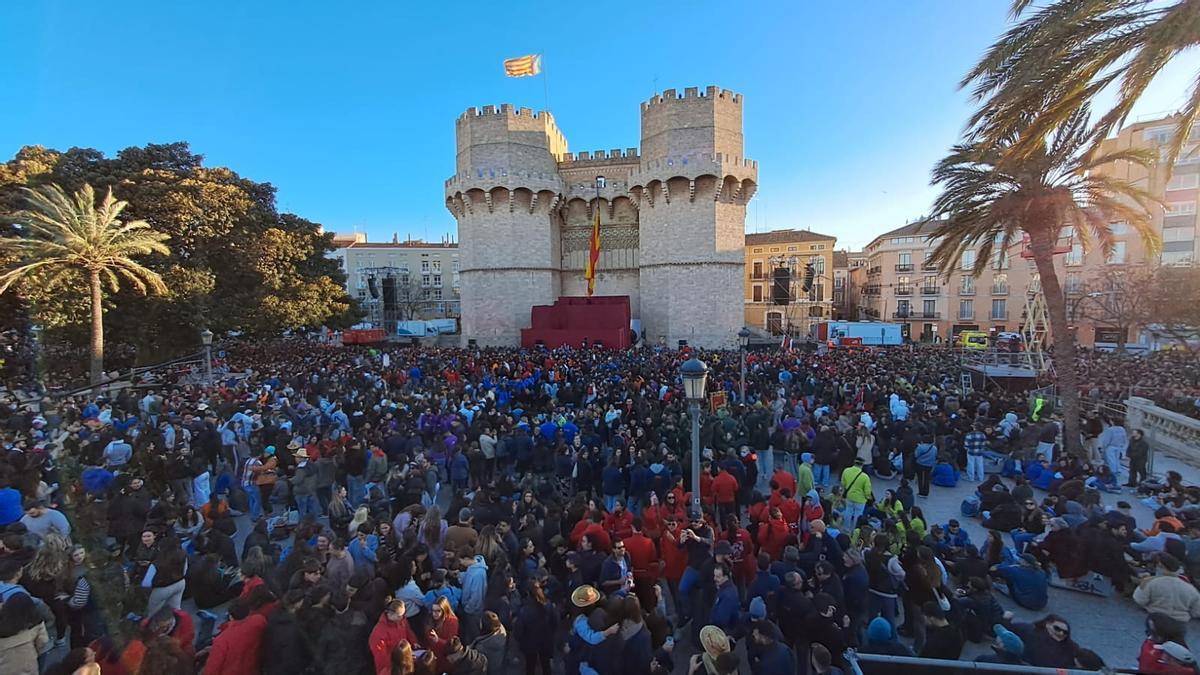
(97, 329)
(1064, 345)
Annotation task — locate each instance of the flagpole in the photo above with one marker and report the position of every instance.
(545, 82)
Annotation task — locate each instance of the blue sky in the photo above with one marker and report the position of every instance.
(348, 108)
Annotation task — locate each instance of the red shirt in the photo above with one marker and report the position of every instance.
(235, 651)
(772, 537)
(643, 557)
(600, 539)
(790, 510)
(725, 487)
(619, 526)
(674, 558)
(706, 488)
(745, 564)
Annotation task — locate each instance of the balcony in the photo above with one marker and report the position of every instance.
(930, 290)
(904, 290)
(1000, 290)
(872, 271)
(904, 267)
(901, 314)
(929, 266)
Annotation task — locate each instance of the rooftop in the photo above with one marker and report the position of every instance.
(841, 259)
(786, 237)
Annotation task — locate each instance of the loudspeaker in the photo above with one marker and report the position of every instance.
(781, 286)
(810, 273)
(374, 289)
(389, 293)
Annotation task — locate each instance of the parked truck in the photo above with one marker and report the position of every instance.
(858, 333)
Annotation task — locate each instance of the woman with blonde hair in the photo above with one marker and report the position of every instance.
(443, 625)
(403, 661)
(48, 577)
(83, 614)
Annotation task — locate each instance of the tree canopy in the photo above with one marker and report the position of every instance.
(236, 263)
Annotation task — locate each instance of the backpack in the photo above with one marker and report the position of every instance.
(970, 507)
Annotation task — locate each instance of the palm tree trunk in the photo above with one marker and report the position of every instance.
(1064, 344)
(97, 329)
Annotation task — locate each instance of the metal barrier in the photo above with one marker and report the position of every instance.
(904, 665)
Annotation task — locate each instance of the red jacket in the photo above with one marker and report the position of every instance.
(619, 526)
(790, 510)
(674, 558)
(725, 487)
(745, 563)
(384, 638)
(643, 557)
(600, 539)
(235, 651)
(652, 521)
(706, 488)
(784, 480)
(772, 537)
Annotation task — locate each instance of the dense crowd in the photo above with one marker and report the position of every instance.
(351, 510)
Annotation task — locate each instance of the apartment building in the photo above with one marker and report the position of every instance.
(425, 275)
(792, 250)
(1176, 220)
(845, 295)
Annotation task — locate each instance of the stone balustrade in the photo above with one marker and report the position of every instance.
(1168, 432)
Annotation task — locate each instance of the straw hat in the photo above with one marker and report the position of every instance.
(714, 641)
(294, 445)
(585, 596)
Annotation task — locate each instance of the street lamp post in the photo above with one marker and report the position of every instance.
(694, 373)
(744, 342)
(206, 337)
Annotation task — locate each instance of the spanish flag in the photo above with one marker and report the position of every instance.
(593, 253)
(523, 66)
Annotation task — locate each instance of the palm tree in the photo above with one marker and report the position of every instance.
(64, 235)
(992, 197)
(1064, 53)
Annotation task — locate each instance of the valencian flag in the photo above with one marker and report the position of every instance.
(523, 66)
(593, 253)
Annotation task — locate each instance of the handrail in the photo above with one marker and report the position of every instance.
(920, 665)
(122, 378)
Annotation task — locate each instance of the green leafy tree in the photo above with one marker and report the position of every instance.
(992, 198)
(70, 236)
(1063, 53)
(236, 263)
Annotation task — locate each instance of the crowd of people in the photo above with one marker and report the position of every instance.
(416, 510)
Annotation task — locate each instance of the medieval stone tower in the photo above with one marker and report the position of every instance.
(672, 218)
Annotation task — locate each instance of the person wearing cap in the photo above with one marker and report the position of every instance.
(1167, 592)
(1173, 658)
(1007, 648)
(304, 484)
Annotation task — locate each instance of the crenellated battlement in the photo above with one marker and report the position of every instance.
(601, 155)
(691, 93)
(692, 159)
(505, 109)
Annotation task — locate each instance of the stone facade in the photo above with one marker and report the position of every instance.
(672, 218)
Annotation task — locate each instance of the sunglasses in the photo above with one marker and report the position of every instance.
(1060, 629)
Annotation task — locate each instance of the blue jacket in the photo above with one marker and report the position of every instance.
(1027, 586)
(763, 584)
(776, 659)
(611, 480)
(474, 587)
(725, 608)
(926, 454)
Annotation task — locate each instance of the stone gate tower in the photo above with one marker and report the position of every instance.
(672, 218)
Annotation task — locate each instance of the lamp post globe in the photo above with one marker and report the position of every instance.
(743, 342)
(694, 373)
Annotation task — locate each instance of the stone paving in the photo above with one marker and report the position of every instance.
(1113, 627)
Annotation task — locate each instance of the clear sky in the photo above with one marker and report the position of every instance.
(348, 107)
